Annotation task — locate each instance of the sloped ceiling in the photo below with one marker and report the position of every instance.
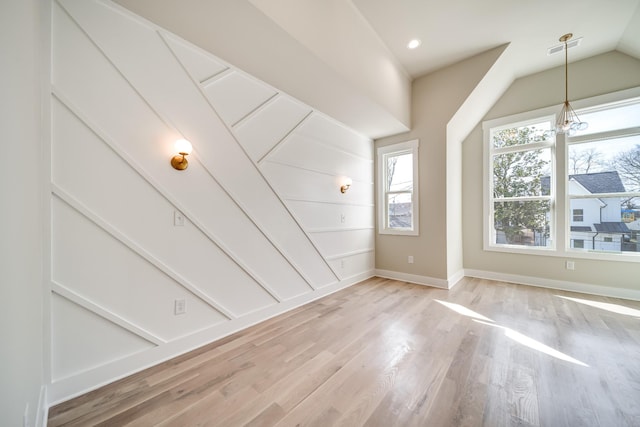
(348, 58)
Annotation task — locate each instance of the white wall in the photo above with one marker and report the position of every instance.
(266, 226)
(22, 63)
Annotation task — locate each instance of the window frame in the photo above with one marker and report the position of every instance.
(384, 152)
(562, 213)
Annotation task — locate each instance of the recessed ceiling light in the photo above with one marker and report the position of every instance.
(414, 44)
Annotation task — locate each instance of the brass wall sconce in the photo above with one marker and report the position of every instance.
(179, 161)
(346, 183)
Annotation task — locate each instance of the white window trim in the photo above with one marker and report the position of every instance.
(408, 146)
(562, 235)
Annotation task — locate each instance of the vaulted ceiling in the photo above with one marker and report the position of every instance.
(349, 58)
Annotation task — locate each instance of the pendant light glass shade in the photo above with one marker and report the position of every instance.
(568, 121)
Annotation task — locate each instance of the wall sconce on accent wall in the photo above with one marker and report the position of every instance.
(346, 183)
(179, 161)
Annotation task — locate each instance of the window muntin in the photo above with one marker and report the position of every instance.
(398, 184)
(521, 159)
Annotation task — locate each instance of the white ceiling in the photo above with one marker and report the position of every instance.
(457, 29)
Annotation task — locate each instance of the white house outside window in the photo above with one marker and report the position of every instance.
(398, 184)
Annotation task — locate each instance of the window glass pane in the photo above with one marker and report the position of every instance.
(399, 210)
(521, 135)
(610, 224)
(524, 173)
(522, 223)
(607, 166)
(623, 117)
(400, 172)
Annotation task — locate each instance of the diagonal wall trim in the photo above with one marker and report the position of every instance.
(139, 250)
(328, 202)
(265, 234)
(339, 150)
(352, 253)
(235, 200)
(217, 76)
(256, 110)
(104, 313)
(147, 177)
(284, 138)
(318, 171)
(337, 229)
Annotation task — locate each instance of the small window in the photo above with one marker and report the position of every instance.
(578, 215)
(578, 244)
(608, 239)
(398, 188)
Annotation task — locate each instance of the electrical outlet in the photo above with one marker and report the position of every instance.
(341, 263)
(179, 306)
(571, 265)
(410, 259)
(342, 218)
(178, 219)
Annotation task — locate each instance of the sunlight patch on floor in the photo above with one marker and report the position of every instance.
(510, 333)
(533, 344)
(614, 308)
(460, 309)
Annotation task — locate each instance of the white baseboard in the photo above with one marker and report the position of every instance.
(414, 278)
(68, 388)
(455, 278)
(606, 291)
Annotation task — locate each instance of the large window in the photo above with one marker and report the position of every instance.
(603, 179)
(398, 184)
(587, 204)
(521, 194)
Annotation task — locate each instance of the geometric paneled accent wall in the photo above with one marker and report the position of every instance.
(265, 225)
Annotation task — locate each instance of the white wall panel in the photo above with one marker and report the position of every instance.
(109, 274)
(250, 241)
(309, 153)
(353, 265)
(83, 340)
(137, 50)
(200, 65)
(320, 127)
(235, 95)
(261, 131)
(112, 105)
(334, 244)
(293, 183)
(133, 207)
(318, 216)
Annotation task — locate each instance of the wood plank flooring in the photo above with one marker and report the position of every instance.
(388, 353)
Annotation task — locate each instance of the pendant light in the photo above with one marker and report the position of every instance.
(568, 121)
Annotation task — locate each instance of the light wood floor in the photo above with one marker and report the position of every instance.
(387, 353)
